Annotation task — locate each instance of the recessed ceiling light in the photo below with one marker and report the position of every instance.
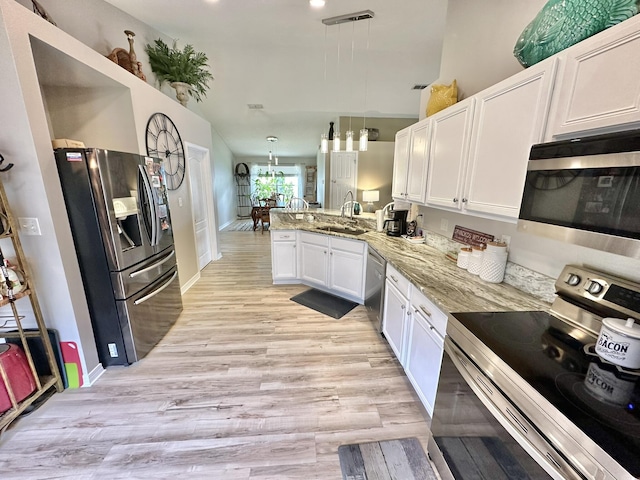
(316, 3)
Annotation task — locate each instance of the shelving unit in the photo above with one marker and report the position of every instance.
(243, 185)
(16, 330)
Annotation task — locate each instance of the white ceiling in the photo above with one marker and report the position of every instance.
(279, 54)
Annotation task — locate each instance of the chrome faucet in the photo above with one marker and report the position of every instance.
(344, 202)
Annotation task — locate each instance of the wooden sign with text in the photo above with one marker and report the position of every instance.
(471, 237)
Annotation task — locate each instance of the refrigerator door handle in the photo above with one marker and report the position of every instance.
(152, 202)
(154, 265)
(156, 291)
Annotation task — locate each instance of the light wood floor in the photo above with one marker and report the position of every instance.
(247, 385)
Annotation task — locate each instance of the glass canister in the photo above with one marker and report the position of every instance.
(475, 260)
(494, 262)
(463, 257)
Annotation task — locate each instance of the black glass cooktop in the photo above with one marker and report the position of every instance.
(555, 359)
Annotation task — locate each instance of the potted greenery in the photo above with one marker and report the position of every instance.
(185, 69)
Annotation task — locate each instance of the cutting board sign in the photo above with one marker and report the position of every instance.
(72, 365)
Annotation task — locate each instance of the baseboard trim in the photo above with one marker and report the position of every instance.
(93, 376)
(190, 283)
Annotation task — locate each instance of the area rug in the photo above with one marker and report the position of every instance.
(480, 457)
(322, 302)
(402, 459)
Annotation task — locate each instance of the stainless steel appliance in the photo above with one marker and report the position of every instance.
(586, 191)
(396, 224)
(374, 287)
(119, 215)
(528, 385)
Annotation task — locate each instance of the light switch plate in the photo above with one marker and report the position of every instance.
(29, 226)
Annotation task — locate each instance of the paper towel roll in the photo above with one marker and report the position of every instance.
(379, 220)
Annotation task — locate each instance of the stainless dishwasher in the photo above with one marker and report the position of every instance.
(374, 288)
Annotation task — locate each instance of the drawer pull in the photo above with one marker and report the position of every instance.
(393, 278)
(426, 312)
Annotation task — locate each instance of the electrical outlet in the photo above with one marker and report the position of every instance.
(179, 201)
(113, 350)
(444, 224)
(29, 226)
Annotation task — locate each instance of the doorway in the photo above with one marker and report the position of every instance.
(344, 177)
(199, 167)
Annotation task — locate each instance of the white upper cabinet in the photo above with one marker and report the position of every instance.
(598, 90)
(449, 150)
(418, 162)
(479, 148)
(410, 163)
(401, 163)
(508, 119)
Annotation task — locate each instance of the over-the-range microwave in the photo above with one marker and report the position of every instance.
(586, 191)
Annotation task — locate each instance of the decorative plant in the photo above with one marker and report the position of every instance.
(175, 65)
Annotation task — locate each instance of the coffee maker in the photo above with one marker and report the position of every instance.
(396, 224)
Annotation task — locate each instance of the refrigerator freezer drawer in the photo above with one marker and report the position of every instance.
(148, 315)
(134, 279)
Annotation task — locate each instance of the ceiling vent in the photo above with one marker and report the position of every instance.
(349, 17)
(255, 106)
(419, 86)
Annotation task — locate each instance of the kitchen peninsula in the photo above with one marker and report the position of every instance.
(452, 289)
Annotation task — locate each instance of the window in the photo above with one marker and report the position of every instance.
(284, 181)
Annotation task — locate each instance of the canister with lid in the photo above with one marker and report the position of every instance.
(494, 262)
(475, 260)
(463, 257)
(619, 342)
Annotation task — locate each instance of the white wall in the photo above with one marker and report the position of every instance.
(479, 39)
(100, 26)
(477, 52)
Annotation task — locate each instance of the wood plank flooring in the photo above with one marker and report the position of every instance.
(247, 385)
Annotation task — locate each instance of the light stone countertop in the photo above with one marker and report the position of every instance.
(450, 288)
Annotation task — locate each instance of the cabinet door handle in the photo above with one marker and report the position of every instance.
(330, 253)
(464, 200)
(325, 252)
(403, 307)
(393, 278)
(426, 312)
(455, 200)
(294, 246)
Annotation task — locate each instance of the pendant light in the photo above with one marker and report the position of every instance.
(363, 143)
(272, 141)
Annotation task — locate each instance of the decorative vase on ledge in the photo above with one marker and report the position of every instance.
(182, 92)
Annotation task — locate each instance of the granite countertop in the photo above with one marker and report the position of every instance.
(450, 288)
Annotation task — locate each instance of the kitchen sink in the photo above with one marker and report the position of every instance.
(343, 229)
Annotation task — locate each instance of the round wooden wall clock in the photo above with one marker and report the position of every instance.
(164, 142)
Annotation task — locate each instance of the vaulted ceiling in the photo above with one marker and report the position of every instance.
(279, 54)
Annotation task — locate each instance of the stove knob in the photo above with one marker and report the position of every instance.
(573, 279)
(594, 287)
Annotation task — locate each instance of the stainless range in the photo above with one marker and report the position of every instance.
(523, 386)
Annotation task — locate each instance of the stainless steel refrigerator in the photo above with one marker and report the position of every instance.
(119, 214)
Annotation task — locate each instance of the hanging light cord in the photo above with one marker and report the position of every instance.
(366, 76)
(353, 29)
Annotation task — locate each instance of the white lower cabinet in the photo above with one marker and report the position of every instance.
(394, 323)
(336, 265)
(314, 259)
(284, 256)
(425, 347)
(415, 329)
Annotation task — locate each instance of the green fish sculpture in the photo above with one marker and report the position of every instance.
(562, 23)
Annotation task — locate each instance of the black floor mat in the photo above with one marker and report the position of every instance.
(322, 302)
